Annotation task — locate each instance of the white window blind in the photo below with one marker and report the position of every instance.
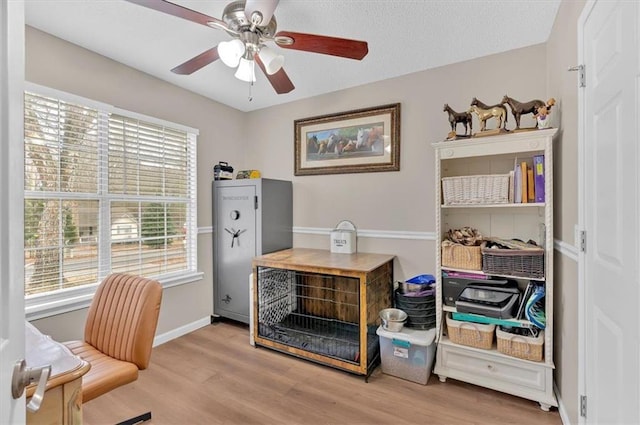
(149, 184)
(106, 191)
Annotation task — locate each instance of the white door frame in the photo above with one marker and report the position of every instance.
(581, 215)
(12, 317)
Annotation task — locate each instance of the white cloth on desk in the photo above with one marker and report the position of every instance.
(41, 350)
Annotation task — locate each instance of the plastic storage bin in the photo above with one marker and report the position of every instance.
(407, 354)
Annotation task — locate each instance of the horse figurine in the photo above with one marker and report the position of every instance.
(459, 117)
(484, 114)
(477, 102)
(519, 108)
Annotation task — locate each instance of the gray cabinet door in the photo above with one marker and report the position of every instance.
(235, 246)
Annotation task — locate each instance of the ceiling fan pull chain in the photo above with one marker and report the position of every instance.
(250, 95)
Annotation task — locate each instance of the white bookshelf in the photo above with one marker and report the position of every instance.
(524, 221)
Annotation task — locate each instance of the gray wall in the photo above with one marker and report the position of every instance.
(562, 53)
(391, 201)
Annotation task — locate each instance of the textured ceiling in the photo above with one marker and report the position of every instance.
(404, 36)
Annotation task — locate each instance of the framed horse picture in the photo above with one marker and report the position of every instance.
(358, 141)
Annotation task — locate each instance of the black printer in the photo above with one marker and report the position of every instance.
(498, 298)
(452, 286)
(496, 302)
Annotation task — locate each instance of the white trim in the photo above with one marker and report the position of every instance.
(365, 233)
(312, 230)
(12, 340)
(181, 331)
(564, 415)
(582, 360)
(39, 306)
(566, 249)
(67, 300)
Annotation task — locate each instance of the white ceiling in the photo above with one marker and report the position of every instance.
(404, 36)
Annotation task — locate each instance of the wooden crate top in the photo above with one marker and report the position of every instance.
(321, 260)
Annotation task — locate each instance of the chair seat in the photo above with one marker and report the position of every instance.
(106, 373)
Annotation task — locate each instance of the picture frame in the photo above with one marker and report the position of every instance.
(358, 141)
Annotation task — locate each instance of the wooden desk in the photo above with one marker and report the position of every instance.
(62, 403)
(331, 301)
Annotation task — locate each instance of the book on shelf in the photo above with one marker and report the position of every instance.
(517, 184)
(511, 186)
(538, 177)
(523, 173)
(531, 197)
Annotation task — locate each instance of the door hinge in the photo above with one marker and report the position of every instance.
(255, 202)
(583, 240)
(582, 81)
(583, 406)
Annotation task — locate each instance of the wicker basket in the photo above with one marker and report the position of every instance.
(514, 262)
(523, 347)
(460, 256)
(486, 189)
(472, 334)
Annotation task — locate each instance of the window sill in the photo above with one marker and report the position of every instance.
(65, 301)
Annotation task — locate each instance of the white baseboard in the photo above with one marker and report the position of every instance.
(182, 330)
(561, 409)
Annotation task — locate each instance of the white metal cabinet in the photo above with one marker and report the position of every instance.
(497, 155)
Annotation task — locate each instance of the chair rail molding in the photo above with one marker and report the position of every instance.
(566, 249)
(366, 233)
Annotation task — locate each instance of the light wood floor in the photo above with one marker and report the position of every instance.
(213, 376)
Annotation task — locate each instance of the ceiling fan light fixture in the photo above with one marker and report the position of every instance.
(251, 24)
(231, 51)
(260, 12)
(271, 60)
(246, 70)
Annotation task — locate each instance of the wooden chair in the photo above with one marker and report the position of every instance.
(118, 334)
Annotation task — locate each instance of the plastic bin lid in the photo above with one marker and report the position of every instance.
(422, 278)
(414, 336)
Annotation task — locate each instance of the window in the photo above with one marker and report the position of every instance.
(106, 190)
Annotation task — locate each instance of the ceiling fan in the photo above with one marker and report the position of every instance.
(251, 24)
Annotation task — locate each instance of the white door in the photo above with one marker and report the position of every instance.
(608, 45)
(11, 201)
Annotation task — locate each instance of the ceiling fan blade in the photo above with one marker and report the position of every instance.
(265, 7)
(280, 80)
(200, 61)
(352, 49)
(180, 12)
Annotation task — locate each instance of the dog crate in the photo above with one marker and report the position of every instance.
(321, 306)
